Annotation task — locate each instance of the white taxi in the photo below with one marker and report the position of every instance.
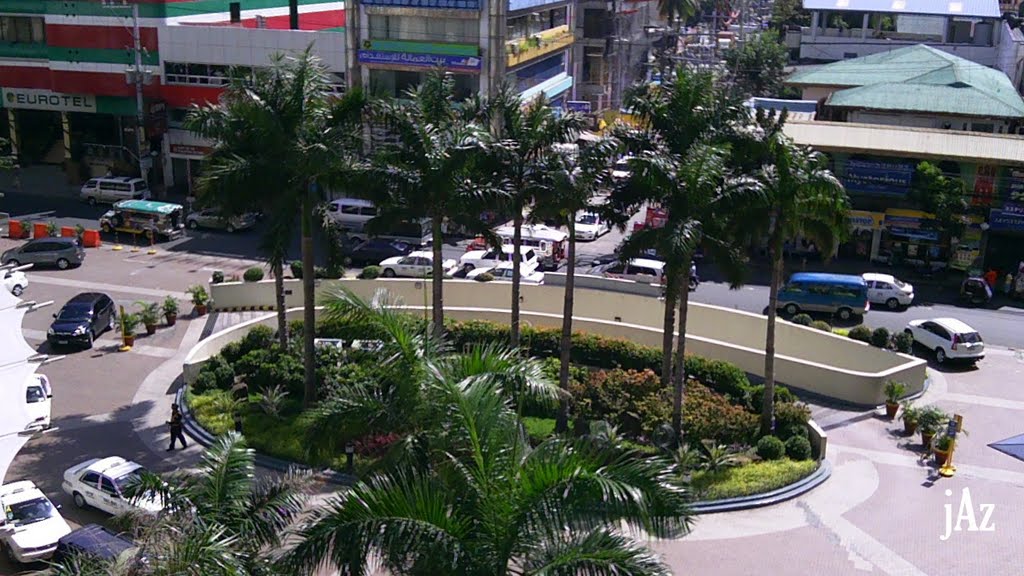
(100, 483)
(889, 290)
(415, 265)
(30, 525)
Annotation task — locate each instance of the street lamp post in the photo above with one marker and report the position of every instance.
(136, 75)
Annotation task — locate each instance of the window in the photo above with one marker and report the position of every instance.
(22, 29)
(368, 211)
(108, 486)
(90, 479)
(34, 394)
(456, 30)
(203, 74)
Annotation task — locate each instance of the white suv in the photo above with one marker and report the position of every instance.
(491, 258)
(30, 525)
(949, 338)
(889, 290)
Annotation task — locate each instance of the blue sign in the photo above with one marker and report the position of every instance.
(878, 177)
(581, 106)
(468, 63)
(1009, 219)
(449, 4)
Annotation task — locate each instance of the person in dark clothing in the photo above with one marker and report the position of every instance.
(176, 428)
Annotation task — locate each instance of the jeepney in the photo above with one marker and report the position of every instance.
(155, 220)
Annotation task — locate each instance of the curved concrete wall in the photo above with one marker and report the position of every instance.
(808, 359)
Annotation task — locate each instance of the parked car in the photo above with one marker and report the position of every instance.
(100, 483)
(493, 257)
(889, 290)
(375, 250)
(950, 339)
(82, 320)
(590, 226)
(503, 271)
(60, 252)
(30, 525)
(638, 270)
(214, 218)
(415, 265)
(114, 189)
(93, 542)
(39, 397)
(15, 281)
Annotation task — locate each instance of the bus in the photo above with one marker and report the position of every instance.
(844, 295)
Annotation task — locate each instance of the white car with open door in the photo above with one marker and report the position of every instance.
(30, 525)
(888, 290)
(101, 483)
(950, 339)
(492, 257)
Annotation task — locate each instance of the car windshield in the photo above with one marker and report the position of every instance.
(899, 283)
(72, 313)
(123, 482)
(970, 338)
(586, 219)
(34, 394)
(29, 511)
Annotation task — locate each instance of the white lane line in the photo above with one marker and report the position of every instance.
(107, 344)
(911, 461)
(100, 286)
(983, 401)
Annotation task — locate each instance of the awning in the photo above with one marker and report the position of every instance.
(550, 88)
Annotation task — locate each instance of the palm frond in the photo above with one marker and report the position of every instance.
(597, 553)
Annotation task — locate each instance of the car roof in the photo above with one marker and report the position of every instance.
(422, 254)
(96, 540)
(647, 263)
(20, 491)
(824, 277)
(877, 277)
(61, 239)
(113, 466)
(953, 325)
(352, 201)
(148, 206)
(86, 298)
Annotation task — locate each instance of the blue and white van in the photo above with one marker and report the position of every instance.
(841, 294)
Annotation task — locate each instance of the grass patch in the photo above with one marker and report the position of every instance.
(212, 410)
(841, 331)
(538, 429)
(754, 478)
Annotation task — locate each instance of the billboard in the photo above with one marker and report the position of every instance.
(880, 177)
(466, 63)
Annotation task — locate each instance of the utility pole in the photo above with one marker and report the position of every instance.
(137, 76)
(293, 14)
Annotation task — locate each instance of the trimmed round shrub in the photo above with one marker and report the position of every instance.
(216, 374)
(903, 342)
(771, 448)
(821, 325)
(798, 448)
(861, 333)
(370, 273)
(296, 267)
(756, 395)
(484, 277)
(254, 274)
(802, 319)
(880, 338)
(791, 431)
(218, 277)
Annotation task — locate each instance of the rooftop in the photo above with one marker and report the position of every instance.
(916, 78)
(977, 8)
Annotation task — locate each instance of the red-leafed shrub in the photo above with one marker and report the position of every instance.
(375, 445)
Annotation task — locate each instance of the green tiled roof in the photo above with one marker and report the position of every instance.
(917, 78)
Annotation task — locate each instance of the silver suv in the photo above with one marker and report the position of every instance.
(60, 252)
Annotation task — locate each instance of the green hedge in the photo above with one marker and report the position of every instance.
(754, 478)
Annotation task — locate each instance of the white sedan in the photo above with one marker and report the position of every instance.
(100, 483)
(889, 290)
(30, 525)
(15, 281)
(590, 226)
(528, 273)
(415, 265)
(950, 339)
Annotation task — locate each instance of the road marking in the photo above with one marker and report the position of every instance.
(108, 344)
(984, 401)
(100, 286)
(912, 461)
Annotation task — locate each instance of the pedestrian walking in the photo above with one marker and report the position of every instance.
(1008, 284)
(176, 428)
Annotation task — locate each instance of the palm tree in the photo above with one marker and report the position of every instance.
(429, 172)
(218, 519)
(526, 136)
(281, 137)
(803, 199)
(7, 160)
(494, 505)
(567, 184)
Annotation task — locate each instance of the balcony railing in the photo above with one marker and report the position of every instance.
(525, 49)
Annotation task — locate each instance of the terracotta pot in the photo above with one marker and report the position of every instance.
(891, 408)
(940, 456)
(171, 319)
(200, 309)
(909, 426)
(926, 438)
(129, 340)
(150, 329)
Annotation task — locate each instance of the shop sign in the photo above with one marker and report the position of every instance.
(984, 186)
(581, 106)
(1009, 219)
(190, 150)
(30, 99)
(860, 219)
(1016, 186)
(409, 59)
(448, 4)
(422, 47)
(889, 178)
(910, 224)
(967, 250)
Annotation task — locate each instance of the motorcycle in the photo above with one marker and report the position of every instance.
(975, 292)
(694, 279)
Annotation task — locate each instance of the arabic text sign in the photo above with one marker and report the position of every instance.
(471, 63)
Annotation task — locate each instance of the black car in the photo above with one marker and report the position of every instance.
(82, 320)
(92, 541)
(375, 250)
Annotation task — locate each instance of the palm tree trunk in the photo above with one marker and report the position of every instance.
(517, 241)
(308, 301)
(768, 399)
(565, 346)
(669, 327)
(679, 374)
(437, 276)
(277, 266)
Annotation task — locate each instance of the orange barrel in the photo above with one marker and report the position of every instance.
(67, 232)
(91, 239)
(40, 230)
(15, 229)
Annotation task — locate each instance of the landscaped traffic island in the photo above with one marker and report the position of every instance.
(375, 380)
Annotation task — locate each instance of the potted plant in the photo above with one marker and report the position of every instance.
(929, 423)
(910, 416)
(894, 390)
(170, 309)
(149, 315)
(941, 449)
(129, 322)
(200, 298)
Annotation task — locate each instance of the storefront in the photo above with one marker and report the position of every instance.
(910, 237)
(185, 154)
(1005, 244)
(966, 250)
(865, 235)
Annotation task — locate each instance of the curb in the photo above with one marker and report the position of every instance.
(245, 309)
(205, 439)
(777, 496)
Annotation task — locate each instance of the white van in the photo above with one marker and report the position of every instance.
(114, 189)
(549, 243)
(638, 270)
(351, 214)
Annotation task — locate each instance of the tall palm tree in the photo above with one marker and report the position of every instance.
(218, 519)
(803, 199)
(429, 171)
(281, 137)
(567, 184)
(525, 136)
(494, 505)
